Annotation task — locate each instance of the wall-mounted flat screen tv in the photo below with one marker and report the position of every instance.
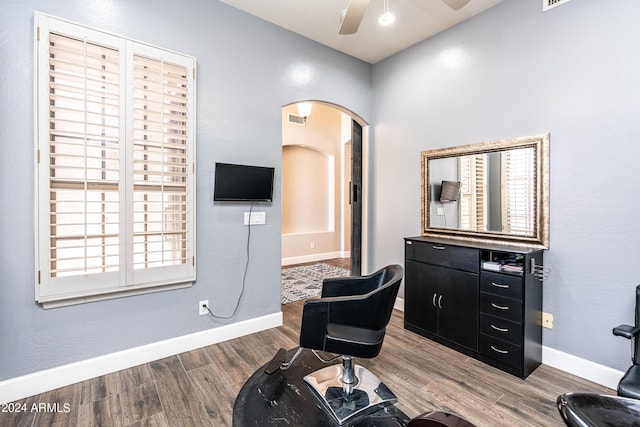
(243, 183)
(450, 191)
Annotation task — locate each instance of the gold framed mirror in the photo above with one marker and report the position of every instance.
(496, 191)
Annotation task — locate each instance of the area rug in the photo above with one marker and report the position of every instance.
(305, 281)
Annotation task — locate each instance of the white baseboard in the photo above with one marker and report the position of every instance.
(50, 379)
(583, 368)
(566, 362)
(311, 258)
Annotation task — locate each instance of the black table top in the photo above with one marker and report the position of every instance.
(284, 399)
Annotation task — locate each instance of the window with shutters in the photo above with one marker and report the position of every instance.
(115, 184)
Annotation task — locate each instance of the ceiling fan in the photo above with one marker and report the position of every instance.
(355, 11)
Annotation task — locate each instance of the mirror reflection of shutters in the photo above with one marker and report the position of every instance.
(519, 192)
(473, 195)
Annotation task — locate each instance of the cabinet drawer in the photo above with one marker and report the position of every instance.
(501, 284)
(504, 308)
(460, 258)
(504, 352)
(505, 330)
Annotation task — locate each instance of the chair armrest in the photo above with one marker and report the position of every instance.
(626, 331)
(351, 310)
(315, 316)
(345, 286)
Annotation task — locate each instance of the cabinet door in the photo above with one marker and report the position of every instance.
(458, 308)
(421, 284)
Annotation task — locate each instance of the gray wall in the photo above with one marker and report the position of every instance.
(245, 69)
(515, 71)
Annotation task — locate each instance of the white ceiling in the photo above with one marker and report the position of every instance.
(319, 20)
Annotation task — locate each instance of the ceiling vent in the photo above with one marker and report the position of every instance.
(296, 120)
(549, 4)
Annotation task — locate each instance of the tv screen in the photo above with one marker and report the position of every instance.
(450, 191)
(243, 183)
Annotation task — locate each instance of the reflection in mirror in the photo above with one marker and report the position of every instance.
(496, 190)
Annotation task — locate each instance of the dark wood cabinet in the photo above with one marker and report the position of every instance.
(447, 300)
(494, 316)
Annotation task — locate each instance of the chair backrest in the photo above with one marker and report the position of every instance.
(381, 300)
(392, 279)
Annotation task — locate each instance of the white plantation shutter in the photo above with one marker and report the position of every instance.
(473, 201)
(160, 168)
(115, 184)
(519, 192)
(83, 157)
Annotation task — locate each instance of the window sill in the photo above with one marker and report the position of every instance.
(68, 300)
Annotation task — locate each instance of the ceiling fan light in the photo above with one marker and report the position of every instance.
(387, 18)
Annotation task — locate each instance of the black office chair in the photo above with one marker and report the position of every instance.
(629, 385)
(350, 319)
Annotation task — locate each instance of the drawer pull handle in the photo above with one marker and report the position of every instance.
(499, 307)
(439, 247)
(433, 301)
(499, 329)
(499, 285)
(497, 350)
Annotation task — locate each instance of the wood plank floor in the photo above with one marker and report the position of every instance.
(198, 388)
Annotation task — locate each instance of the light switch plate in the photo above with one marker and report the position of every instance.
(257, 218)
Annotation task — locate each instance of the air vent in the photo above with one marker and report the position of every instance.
(296, 120)
(549, 4)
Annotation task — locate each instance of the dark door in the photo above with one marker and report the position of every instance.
(421, 295)
(458, 307)
(356, 199)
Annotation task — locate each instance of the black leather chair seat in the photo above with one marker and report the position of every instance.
(629, 385)
(353, 341)
(598, 410)
(438, 419)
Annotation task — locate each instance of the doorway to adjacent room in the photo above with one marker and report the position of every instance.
(323, 191)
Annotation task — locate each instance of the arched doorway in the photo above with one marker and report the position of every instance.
(334, 135)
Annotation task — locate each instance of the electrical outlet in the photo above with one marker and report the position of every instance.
(203, 307)
(313, 245)
(547, 320)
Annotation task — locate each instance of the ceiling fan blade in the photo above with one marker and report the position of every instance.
(456, 4)
(353, 16)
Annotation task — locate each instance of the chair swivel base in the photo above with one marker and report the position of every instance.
(369, 393)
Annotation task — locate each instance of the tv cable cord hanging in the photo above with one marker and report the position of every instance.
(244, 275)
